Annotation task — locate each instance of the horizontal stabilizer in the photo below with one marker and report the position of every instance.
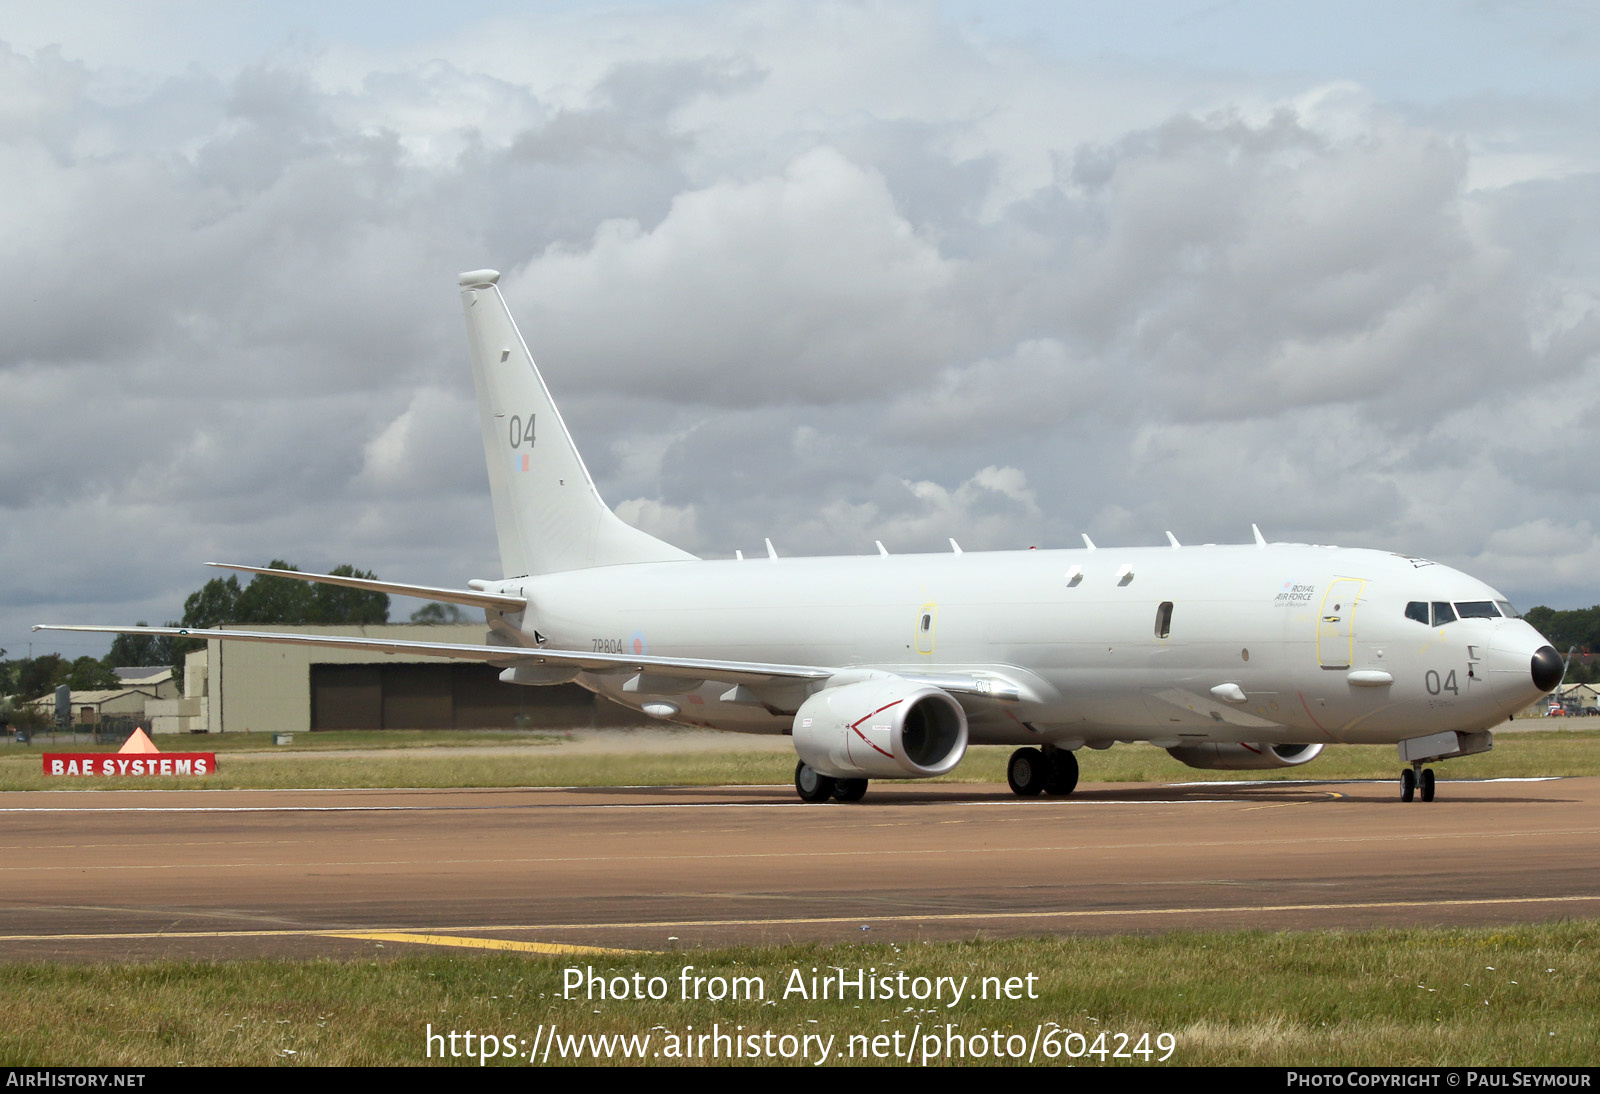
(496, 601)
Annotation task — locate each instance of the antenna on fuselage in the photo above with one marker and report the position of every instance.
(1261, 541)
(1172, 539)
(1087, 542)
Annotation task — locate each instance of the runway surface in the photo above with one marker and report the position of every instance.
(90, 875)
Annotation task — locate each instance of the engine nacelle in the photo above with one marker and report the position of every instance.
(1242, 757)
(881, 729)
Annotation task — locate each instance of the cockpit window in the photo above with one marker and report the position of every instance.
(1439, 612)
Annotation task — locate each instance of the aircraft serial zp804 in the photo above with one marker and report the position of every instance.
(889, 666)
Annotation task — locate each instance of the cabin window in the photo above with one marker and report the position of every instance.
(1164, 619)
(927, 622)
(1418, 610)
(1443, 613)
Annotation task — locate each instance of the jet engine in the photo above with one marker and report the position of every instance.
(882, 729)
(1243, 757)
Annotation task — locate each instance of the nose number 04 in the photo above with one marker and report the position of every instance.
(1432, 683)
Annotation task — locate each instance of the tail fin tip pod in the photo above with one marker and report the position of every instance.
(548, 515)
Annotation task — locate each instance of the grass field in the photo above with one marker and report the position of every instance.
(1505, 996)
(390, 759)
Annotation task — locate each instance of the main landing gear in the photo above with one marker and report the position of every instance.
(1033, 771)
(1415, 778)
(812, 786)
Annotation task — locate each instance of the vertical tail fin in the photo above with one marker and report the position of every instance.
(547, 512)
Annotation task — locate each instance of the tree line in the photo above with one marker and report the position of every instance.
(261, 600)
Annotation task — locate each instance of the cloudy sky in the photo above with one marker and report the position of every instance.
(827, 273)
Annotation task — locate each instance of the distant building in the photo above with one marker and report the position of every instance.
(1575, 698)
(89, 707)
(149, 677)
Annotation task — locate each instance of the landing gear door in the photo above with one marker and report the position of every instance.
(1336, 629)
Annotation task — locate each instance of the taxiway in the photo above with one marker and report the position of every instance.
(90, 875)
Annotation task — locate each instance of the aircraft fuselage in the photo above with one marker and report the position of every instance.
(1085, 645)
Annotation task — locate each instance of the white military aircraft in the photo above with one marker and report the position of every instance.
(889, 666)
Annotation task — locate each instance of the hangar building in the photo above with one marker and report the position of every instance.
(268, 688)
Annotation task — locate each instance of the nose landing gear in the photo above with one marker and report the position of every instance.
(1416, 778)
(1417, 751)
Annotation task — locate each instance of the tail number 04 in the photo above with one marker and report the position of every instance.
(1434, 686)
(517, 434)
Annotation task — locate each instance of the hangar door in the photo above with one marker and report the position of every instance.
(397, 695)
(382, 697)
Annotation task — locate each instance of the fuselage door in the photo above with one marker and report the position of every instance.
(1336, 628)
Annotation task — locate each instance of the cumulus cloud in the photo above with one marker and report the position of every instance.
(990, 510)
(431, 448)
(1247, 267)
(808, 284)
(674, 523)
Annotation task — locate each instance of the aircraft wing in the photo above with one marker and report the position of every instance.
(735, 672)
(987, 684)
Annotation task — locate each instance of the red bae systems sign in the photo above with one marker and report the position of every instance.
(103, 763)
(137, 756)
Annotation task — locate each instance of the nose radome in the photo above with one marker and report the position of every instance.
(1548, 668)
